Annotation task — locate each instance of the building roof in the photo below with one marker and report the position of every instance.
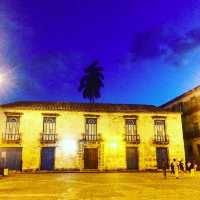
(181, 96)
(88, 107)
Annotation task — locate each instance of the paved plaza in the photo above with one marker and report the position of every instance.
(95, 186)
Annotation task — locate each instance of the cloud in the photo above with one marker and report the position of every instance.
(165, 44)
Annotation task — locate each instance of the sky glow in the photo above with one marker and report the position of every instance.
(149, 51)
(8, 81)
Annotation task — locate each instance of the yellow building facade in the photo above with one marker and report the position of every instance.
(77, 136)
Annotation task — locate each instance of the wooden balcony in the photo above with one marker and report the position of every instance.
(11, 138)
(161, 139)
(91, 138)
(47, 138)
(132, 139)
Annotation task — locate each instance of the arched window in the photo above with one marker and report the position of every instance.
(49, 125)
(160, 128)
(91, 126)
(131, 128)
(12, 125)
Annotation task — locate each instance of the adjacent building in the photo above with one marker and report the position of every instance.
(78, 136)
(189, 104)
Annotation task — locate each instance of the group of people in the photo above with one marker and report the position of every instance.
(177, 166)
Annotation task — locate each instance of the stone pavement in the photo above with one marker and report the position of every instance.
(96, 186)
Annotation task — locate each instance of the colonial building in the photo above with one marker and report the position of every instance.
(78, 136)
(189, 104)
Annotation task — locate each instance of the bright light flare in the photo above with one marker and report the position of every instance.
(69, 146)
(113, 145)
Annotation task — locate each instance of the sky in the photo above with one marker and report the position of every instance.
(150, 50)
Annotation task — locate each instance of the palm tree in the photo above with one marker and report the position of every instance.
(92, 81)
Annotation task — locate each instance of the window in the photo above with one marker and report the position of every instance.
(91, 126)
(160, 127)
(131, 128)
(178, 107)
(195, 130)
(12, 125)
(198, 147)
(49, 125)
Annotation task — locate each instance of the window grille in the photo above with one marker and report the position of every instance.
(131, 128)
(160, 128)
(49, 125)
(12, 125)
(91, 126)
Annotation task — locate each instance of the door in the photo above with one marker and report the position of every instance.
(11, 158)
(91, 158)
(161, 154)
(47, 158)
(132, 157)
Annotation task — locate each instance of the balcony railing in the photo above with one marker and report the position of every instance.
(160, 139)
(11, 138)
(133, 139)
(48, 138)
(93, 138)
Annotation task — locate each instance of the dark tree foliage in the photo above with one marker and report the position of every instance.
(92, 81)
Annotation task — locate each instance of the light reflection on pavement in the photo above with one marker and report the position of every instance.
(96, 186)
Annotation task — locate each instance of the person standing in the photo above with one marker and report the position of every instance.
(176, 168)
(188, 166)
(192, 169)
(164, 168)
(195, 167)
(172, 166)
(181, 165)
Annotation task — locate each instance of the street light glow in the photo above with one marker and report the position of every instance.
(69, 146)
(113, 145)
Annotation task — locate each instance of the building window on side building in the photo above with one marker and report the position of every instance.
(12, 129)
(196, 131)
(131, 131)
(90, 129)
(49, 129)
(160, 136)
(179, 107)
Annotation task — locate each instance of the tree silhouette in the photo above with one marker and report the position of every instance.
(91, 82)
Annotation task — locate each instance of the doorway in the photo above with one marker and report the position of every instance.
(91, 158)
(132, 158)
(161, 154)
(47, 158)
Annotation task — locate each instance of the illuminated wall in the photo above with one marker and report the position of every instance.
(71, 124)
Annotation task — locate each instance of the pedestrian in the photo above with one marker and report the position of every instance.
(188, 166)
(172, 166)
(195, 167)
(181, 165)
(176, 169)
(192, 168)
(164, 168)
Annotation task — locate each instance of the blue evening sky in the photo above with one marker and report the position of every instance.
(149, 49)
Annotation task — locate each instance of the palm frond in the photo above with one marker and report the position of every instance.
(92, 81)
